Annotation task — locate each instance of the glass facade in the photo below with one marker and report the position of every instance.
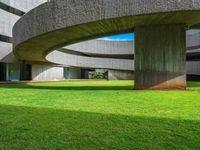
(12, 72)
(66, 73)
(2, 71)
(25, 72)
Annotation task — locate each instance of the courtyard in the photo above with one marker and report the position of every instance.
(98, 115)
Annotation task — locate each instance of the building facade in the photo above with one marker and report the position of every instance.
(76, 60)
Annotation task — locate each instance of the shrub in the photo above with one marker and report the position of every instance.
(97, 75)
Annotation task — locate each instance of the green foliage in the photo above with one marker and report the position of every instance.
(98, 75)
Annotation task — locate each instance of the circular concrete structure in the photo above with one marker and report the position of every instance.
(63, 22)
(101, 54)
(104, 47)
(117, 55)
(71, 60)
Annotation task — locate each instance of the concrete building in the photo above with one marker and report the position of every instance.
(11, 68)
(15, 69)
(44, 28)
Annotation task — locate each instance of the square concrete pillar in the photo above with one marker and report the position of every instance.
(160, 57)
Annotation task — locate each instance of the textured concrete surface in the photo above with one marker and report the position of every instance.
(6, 54)
(62, 22)
(103, 47)
(120, 75)
(89, 62)
(112, 48)
(78, 21)
(46, 72)
(7, 21)
(160, 57)
(94, 53)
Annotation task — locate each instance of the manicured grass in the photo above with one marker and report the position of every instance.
(98, 115)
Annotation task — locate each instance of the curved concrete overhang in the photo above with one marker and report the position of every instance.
(103, 47)
(112, 48)
(120, 56)
(62, 22)
(66, 59)
(99, 50)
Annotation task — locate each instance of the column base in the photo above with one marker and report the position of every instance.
(164, 86)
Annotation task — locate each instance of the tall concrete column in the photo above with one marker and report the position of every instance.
(160, 57)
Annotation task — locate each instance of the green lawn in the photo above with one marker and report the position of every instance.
(97, 115)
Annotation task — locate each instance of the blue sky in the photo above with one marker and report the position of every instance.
(120, 37)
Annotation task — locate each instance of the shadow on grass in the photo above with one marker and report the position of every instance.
(190, 85)
(193, 84)
(42, 128)
(65, 87)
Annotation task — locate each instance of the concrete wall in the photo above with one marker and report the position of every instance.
(23, 5)
(160, 57)
(103, 47)
(6, 54)
(45, 72)
(120, 75)
(90, 62)
(7, 21)
(101, 70)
